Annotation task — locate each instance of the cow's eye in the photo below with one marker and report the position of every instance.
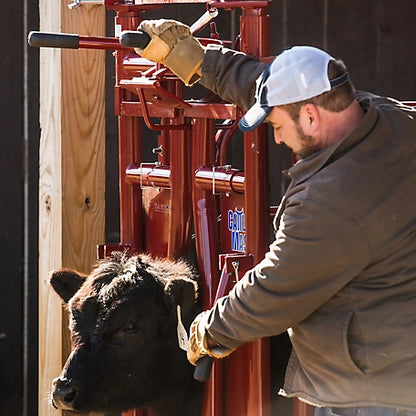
(131, 328)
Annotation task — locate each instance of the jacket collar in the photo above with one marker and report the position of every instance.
(307, 167)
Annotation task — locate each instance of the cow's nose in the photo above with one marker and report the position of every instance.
(64, 394)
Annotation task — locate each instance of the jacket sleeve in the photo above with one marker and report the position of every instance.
(307, 264)
(231, 75)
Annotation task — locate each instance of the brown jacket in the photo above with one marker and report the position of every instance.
(341, 273)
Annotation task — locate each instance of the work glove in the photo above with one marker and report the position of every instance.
(200, 344)
(173, 45)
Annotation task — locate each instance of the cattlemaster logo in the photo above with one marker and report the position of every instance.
(237, 226)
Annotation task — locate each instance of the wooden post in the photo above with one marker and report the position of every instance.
(71, 188)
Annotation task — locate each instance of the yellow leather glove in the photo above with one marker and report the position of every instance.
(173, 45)
(199, 343)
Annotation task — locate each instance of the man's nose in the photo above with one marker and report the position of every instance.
(278, 138)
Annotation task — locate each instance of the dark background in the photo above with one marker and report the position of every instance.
(376, 39)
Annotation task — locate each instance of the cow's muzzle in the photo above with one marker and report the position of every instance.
(64, 394)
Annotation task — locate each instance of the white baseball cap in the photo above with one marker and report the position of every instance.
(297, 74)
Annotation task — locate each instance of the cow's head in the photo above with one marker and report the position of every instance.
(123, 319)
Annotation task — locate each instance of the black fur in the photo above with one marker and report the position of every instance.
(125, 351)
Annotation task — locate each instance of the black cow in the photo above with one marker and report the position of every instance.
(123, 325)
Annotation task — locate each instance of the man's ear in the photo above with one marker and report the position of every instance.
(309, 118)
(66, 282)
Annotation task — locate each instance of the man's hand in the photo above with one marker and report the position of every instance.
(200, 344)
(173, 45)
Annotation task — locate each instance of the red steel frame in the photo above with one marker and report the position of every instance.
(240, 384)
(185, 190)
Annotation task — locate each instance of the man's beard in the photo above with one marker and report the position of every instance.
(309, 144)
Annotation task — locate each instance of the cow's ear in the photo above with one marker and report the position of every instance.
(66, 282)
(183, 292)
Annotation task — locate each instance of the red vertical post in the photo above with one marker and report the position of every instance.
(206, 236)
(180, 191)
(205, 210)
(130, 151)
(130, 195)
(255, 41)
(302, 408)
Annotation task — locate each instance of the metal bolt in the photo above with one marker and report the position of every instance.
(235, 264)
(157, 150)
(74, 4)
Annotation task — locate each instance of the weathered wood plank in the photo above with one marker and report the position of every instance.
(50, 218)
(71, 199)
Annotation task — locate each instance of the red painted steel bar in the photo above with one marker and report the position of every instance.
(180, 216)
(205, 208)
(218, 180)
(131, 230)
(223, 136)
(206, 241)
(180, 162)
(254, 25)
(214, 180)
(91, 42)
(149, 174)
(130, 196)
(212, 110)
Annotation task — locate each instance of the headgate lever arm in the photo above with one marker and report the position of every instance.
(71, 41)
(53, 40)
(204, 364)
(139, 39)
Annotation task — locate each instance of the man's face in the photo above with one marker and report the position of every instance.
(288, 132)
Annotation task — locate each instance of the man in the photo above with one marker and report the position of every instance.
(340, 276)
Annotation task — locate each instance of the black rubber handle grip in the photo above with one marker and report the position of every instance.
(203, 368)
(53, 40)
(134, 39)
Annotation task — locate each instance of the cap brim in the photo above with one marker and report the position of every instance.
(254, 117)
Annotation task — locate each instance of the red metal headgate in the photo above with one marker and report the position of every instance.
(190, 180)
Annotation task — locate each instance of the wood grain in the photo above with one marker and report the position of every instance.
(72, 188)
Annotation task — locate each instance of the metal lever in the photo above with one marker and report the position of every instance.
(139, 39)
(204, 19)
(204, 364)
(53, 40)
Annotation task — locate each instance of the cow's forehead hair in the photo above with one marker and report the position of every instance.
(111, 284)
(106, 288)
(109, 278)
(115, 277)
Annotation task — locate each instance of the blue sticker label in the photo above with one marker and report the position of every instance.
(237, 227)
